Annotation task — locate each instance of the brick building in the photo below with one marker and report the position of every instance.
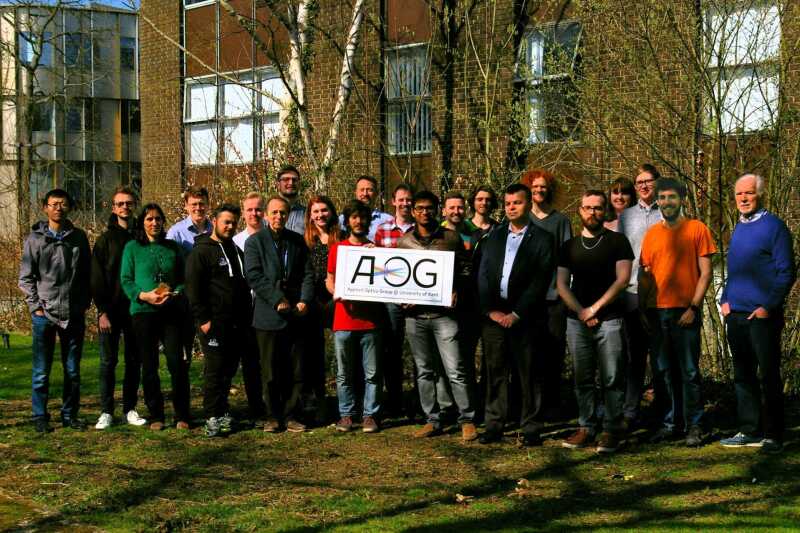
(448, 94)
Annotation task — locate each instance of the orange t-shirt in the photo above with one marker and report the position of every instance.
(670, 255)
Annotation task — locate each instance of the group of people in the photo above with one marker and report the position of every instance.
(629, 285)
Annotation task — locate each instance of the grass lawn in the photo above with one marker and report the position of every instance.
(130, 479)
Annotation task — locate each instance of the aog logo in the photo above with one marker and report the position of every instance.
(396, 271)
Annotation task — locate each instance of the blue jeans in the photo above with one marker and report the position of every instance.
(678, 346)
(434, 344)
(44, 343)
(600, 347)
(350, 346)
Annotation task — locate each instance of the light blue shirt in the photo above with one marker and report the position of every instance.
(512, 247)
(184, 232)
(297, 218)
(634, 223)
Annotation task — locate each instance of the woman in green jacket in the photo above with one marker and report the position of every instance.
(152, 276)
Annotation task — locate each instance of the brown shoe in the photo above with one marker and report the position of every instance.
(182, 426)
(369, 425)
(428, 430)
(468, 431)
(580, 439)
(344, 424)
(271, 425)
(607, 443)
(293, 426)
(157, 426)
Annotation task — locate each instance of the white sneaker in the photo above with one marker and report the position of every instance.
(134, 419)
(104, 421)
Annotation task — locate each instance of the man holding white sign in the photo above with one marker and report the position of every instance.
(433, 330)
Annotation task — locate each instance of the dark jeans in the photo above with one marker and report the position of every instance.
(281, 354)
(314, 361)
(250, 360)
(507, 350)
(678, 347)
(637, 346)
(756, 346)
(165, 326)
(109, 356)
(221, 348)
(552, 342)
(44, 344)
(392, 358)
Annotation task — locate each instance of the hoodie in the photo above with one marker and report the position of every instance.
(215, 283)
(106, 260)
(54, 274)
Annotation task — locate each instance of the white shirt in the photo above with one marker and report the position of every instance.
(240, 238)
(512, 247)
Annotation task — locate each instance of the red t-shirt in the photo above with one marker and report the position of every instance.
(351, 315)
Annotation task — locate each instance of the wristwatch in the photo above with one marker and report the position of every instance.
(694, 308)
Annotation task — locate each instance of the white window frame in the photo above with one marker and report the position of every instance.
(410, 112)
(201, 3)
(752, 107)
(533, 76)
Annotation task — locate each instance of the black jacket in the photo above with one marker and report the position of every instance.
(530, 276)
(273, 278)
(106, 259)
(215, 283)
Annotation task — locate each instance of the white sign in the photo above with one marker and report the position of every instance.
(394, 275)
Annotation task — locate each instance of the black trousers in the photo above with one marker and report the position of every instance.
(249, 358)
(221, 348)
(165, 326)
(394, 333)
(506, 351)
(756, 346)
(553, 342)
(109, 356)
(281, 356)
(314, 359)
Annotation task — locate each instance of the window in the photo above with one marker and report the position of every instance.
(77, 50)
(73, 117)
(42, 116)
(131, 117)
(550, 57)
(31, 44)
(744, 46)
(408, 96)
(197, 3)
(243, 118)
(127, 53)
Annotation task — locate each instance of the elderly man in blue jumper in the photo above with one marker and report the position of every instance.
(761, 272)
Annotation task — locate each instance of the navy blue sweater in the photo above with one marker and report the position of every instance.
(761, 267)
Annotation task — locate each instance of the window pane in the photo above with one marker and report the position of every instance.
(42, 116)
(201, 101)
(274, 87)
(127, 53)
(237, 99)
(77, 50)
(73, 117)
(408, 72)
(202, 144)
(745, 36)
(31, 43)
(238, 146)
(409, 128)
(748, 100)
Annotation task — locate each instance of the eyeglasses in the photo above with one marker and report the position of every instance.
(595, 208)
(58, 205)
(124, 204)
(424, 208)
(643, 183)
(288, 178)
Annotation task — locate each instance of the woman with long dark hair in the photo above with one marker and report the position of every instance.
(621, 195)
(152, 276)
(321, 231)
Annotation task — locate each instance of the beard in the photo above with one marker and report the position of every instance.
(360, 233)
(592, 224)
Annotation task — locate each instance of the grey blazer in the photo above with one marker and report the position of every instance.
(263, 269)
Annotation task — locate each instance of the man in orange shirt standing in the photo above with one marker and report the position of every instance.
(673, 279)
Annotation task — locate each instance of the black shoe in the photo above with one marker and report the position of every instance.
(531, 439)
(695, 437)
(73, 423)
(663, 434)
(41, 425)
(771, 447)
(488, 437)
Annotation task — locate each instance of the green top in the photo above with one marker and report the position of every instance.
(144, 266)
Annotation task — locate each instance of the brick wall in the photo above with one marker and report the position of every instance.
(160, 86)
